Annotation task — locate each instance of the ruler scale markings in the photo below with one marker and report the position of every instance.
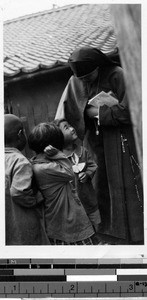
(91, 289)
(120, 291)
(26, 286)
(111, 286)
(70, 288)
(125, 285)
(97, 287)
(84, 287)
(108, 293)
(129, 282)
(55, 287)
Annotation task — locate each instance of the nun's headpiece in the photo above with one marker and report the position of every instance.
(85, 60)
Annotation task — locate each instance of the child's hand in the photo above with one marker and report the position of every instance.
(82, 177)
(50, 150)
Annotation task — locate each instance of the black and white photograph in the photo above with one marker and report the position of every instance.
(73, 126)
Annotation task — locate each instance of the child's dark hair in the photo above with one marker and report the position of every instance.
(45, 134)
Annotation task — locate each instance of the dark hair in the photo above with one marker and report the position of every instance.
(45, 134)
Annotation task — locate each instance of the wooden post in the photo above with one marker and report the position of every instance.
(127, 24)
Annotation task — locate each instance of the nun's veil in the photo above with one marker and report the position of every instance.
(85, 60)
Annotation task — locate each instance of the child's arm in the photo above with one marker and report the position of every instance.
(91, 166)
(21, 185)
(60, 166)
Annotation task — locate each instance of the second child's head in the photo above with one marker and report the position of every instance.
(69, 133)
(45, 134)
(14, 132)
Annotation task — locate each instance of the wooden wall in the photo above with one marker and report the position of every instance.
(127, 21)
(35, 100)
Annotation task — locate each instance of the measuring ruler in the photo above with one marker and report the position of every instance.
(32, 278)
(73, 289)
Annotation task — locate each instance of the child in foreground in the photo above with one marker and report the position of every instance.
(24, 213)
(84, 168)
(66, 221)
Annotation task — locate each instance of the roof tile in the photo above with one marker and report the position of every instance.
(46, 39)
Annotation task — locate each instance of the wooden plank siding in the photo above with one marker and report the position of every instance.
(127, 20)
(36, 100)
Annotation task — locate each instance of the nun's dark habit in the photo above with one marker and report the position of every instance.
(118, 181)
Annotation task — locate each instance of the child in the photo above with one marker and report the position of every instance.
(84, 168)
(65, 218)
(24, 223)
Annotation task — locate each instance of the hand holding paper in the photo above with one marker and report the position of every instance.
(103, 98)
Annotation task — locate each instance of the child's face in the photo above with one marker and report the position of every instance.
(68, 132)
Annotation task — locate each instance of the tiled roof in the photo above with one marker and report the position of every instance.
(45, 40)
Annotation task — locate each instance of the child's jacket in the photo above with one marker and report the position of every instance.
(86, 191)
(65, 217)
(24, 218)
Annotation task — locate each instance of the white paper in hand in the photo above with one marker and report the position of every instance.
(77, 167)
(103, 98)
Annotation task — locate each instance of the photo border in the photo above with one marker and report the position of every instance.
(88, 252)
